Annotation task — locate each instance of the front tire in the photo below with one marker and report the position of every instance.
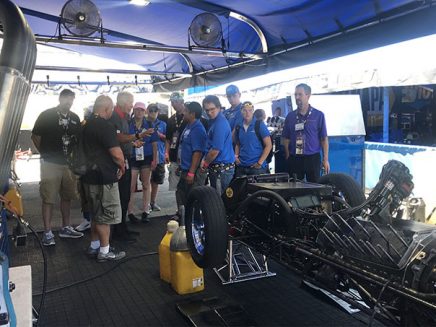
(206, 227)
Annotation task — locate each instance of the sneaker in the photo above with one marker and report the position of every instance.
(144, 217)
(69, 232)
(48, 240)
(133, 219)
(92, 252)
(84, 225)
(110, 256)
(155, 207)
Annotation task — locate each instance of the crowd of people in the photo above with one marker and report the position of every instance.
(199, 144)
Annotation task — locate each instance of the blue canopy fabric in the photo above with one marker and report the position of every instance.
(296, 32)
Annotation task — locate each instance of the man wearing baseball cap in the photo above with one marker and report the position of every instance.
(233, 114)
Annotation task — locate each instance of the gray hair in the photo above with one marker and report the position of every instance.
(307, 89)
(123, 98)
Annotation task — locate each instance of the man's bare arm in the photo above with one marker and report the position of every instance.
(325, 154)
(211, 155)
(196, 158)
(266, 150)
(118, 157)
(286, 146)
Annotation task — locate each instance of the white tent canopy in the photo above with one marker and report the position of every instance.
(411, 62)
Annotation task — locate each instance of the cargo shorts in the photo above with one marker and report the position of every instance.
(104, 203)
(57, 179)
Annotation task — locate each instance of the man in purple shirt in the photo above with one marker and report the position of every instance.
(305, 135)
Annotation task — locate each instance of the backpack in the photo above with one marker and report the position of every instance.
(257, 131)
(77, 159)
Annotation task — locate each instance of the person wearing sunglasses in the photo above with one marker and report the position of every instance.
(219, 160)
(252, 143)
(158, 174)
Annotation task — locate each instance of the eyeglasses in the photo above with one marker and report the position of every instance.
(153, 110)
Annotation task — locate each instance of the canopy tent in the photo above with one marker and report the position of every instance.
(259, 36)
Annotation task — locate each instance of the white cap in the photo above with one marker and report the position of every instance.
(172, 226)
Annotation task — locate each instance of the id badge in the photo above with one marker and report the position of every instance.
(139, 153)
(174, 140)
(299, 145)
(299, 127)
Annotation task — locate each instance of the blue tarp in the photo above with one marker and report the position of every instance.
(311, 30)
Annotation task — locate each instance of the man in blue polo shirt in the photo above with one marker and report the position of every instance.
(305, 135)
(233, 114)
(220, 157)
(192, 146)
(253, 144)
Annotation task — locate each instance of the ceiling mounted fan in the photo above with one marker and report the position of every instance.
(81, 18)
(206, 31)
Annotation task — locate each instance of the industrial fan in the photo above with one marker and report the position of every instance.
(206, 31)
(80, 17)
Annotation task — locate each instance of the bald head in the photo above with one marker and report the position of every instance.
(103, 106)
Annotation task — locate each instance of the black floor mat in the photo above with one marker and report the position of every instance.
(132, 294)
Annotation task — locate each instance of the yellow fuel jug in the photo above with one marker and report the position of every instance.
(15, 202)
(164, 252)
(186, 276)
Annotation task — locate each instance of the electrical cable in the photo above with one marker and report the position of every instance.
(371, 319)
(145, 254)
(13, 212)
(44, 283)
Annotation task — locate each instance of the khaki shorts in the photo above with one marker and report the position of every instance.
(104, 203)
(57, 179)
(173, 179)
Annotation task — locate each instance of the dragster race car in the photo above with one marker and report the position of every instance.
(357, 248)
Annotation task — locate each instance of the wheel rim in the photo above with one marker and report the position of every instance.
(197, 227)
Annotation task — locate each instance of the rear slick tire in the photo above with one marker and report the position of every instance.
(345, 187)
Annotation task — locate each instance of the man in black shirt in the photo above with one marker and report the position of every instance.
(54, 133)
(175, 127)
(106, 166)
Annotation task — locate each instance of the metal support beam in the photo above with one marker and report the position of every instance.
(254, 26)
(146, 47)
(109, 71)
(386, 115)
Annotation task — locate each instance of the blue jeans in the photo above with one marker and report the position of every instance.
(224, 178)
(246, 171)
